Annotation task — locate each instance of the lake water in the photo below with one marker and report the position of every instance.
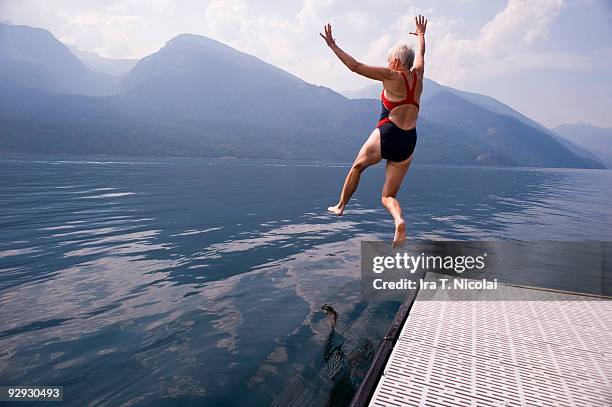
(200, 282)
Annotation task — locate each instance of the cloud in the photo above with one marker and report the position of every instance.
(502, 45)
(290, 42)
(377, 51)
(313, 12)
(269, 36)
(522, 20)
(101, 26)
(113, 28)
(358, 20)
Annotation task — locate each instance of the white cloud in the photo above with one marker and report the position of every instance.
(358, 21)
(521, 21)
(290, 42)
(271, 37)
(98, 28)
(377, 51)
(313, 12)
(502, 45)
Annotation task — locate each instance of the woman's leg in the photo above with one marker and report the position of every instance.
(393, 180)
(368, 155)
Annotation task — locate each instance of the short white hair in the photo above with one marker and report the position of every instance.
(404, 53)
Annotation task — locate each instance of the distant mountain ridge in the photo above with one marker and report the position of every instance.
(432, 88)
(203, 78)
(199, 97)
(109, 66)
(502, 139)
(596, 140)
(182, 47)
(34, 57)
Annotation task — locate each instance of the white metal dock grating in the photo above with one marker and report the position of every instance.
(501, 353)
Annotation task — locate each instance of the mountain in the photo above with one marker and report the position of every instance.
(596, 140)
(34, 57)
(109, 66)
(199, 97)
(579, 151)
(195, 76)
(502, 139)
(432, 88)
(38, 121)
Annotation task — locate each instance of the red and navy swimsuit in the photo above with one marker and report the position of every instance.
(397, 144)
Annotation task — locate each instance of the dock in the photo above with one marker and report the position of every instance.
(547, 349)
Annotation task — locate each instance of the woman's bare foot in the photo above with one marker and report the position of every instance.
(337, 209)
(400, 234)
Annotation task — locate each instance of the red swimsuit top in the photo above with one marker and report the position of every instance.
(409, 94)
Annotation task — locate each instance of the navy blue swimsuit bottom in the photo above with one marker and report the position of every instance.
(396, 144)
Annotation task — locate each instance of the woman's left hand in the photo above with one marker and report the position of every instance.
(328, 35)
(421, 25)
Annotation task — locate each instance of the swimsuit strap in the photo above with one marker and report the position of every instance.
(409, 91)
(407, 86)
(414, 85)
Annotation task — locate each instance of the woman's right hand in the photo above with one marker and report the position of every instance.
(421, 25)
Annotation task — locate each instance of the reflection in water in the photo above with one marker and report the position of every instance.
(331, 313)
(189, 281)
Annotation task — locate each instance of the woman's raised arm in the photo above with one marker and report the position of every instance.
(419, 60)
(372, 72)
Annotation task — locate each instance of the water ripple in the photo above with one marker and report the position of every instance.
(203, 279)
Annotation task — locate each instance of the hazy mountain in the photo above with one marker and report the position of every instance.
(97, 63)
(34, 57)
(597, 140)
(199, 97)
(501, 136)
(36, 121)
(432, 88)
(195, 76)
(579, 151)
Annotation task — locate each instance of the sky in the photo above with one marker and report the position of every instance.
(549, 59)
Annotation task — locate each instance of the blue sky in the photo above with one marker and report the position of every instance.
(549, 59)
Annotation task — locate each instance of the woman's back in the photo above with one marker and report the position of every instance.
(406, 86)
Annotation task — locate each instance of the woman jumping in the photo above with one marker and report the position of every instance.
(394, 138)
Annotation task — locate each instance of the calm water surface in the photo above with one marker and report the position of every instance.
(200, 282)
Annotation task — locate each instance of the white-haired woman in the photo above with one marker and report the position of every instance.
(394, 138)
